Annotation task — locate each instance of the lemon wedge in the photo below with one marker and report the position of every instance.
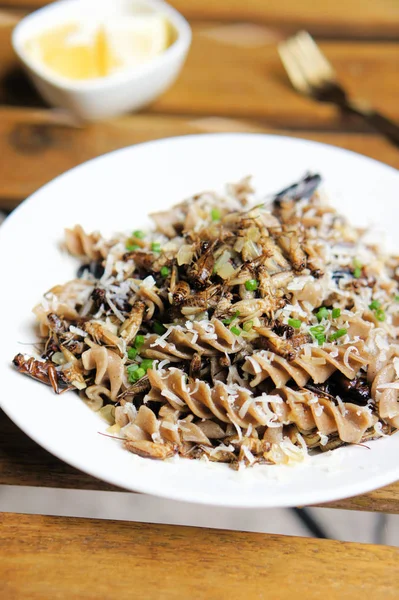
(133, 40)
(89, 50)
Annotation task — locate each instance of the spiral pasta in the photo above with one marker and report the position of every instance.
(238, 331)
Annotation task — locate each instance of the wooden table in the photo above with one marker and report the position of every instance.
(232, 81)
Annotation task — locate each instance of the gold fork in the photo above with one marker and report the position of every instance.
(312, 75)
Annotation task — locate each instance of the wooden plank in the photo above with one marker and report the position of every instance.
(58, 557)
(23, 462)
(245, 78)
(38, 145)
(384, 500)
(234, 70)
(350, 18)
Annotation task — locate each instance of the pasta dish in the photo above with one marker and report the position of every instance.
(236, 331)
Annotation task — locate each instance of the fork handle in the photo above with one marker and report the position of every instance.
(376, 120)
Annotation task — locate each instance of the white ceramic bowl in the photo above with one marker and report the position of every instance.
(103, 97)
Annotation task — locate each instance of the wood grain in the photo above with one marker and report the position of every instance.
(54, 557)
(38, 145)
(246, 79)
(349, 18)
(234, 70)
(23, 462)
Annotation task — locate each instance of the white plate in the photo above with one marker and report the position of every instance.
(114, 192)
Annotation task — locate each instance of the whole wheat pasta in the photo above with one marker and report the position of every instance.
(237, 331)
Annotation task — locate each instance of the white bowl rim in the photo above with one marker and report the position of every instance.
(178, 47)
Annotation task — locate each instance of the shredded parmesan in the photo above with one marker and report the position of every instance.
(347, 354)
(172, 396)
(114, 309)
(341, 406)
(248, 454)
(77, 331)
(323, 438)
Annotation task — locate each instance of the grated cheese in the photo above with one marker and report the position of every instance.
(77, 331)
(114, 309)
(348, 352)
(341, 406)
(255, 365)
(323, 438)
(248, 454)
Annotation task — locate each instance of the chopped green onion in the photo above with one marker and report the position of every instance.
(396, 298)
(139, 234)
(251, 285)
(231, 319)
(236, 330)
(146, 364)
(357, 271)
(295, 323)
(375, 305)
(336, 312)
(132, 353)
(318, 333)
(165, 271)
(322, 313)
(317, 329)
(339, 333)
(132, 247)
(215, 214)
(136, 374)
(380, 314)
(159, 328)
(156, 247)
(248, 326)
(138, 341)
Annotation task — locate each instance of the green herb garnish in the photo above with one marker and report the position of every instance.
(236, 330)
(357, 271)
(375, 305)
(215, 214)
(132, 247)
(134, 374)
(159, 328)
(156, 247)
(146, 364)
(295, 323)
(318, 333)
(339, 333)
(248, 326)
(316, 329)
(231, 319)
(336, 312)
(139, 234)
(138, 341)
(165, 271)
(322, 313)
(132, 353)
(251, 285)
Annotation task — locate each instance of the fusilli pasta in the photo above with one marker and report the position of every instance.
(238, 331)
